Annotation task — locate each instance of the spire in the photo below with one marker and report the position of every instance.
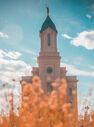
(47, 11)
(48, 23)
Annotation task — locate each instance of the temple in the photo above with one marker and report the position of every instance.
(49, 62)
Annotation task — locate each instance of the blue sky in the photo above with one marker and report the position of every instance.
(20, 23)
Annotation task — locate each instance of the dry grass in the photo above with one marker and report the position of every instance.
(40, 110)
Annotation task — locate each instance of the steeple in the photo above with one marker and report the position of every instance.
(48, 23)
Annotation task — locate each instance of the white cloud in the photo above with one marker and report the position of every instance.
(75, 71)
(3, 35)
(12, 54)
(67, 36)
(84, 39)
(88, 16)
(12, 68)
(2, 53)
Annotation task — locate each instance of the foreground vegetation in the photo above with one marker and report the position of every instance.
(44, 110)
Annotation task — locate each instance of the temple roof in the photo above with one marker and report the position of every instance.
(48, 23)
(28, 79)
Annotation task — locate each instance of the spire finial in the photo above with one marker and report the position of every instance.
(47, 11)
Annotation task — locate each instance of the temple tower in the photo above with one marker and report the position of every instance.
(48, 59)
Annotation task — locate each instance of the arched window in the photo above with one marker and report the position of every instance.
(70, 91)
(49, 43)
(49, 87)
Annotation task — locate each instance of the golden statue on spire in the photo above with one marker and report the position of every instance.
(47, 11)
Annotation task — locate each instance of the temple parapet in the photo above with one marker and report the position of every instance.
(35, 71)
(27, 79)
(71, 78)
(63, 72)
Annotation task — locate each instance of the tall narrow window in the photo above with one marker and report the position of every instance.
(48, 39)
(70, 91)
(49, 87)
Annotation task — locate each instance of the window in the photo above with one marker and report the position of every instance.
(70, 91)
(49, 70)
(48, 39)
(49, 87)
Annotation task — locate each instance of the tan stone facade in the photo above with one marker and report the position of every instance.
(49, 63)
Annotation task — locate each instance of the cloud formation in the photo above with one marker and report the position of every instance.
(88, 16)
(84, 39)
(12, 54)
(75, 71)
(12, 68)
(66, 36)
(3, 35)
